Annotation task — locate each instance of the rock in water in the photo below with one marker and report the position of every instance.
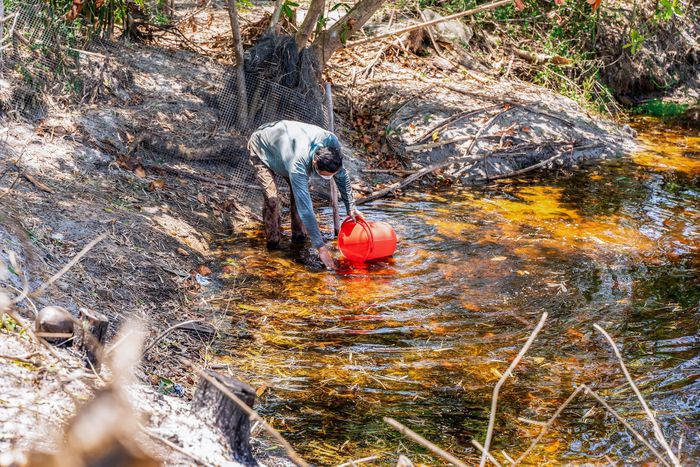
(54, 319)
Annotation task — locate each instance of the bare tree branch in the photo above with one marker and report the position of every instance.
(497, 388)
(309, 23)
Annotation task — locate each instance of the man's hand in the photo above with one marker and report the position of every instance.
(355, 215)
(326, 257)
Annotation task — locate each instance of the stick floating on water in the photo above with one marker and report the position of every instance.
(497, 389)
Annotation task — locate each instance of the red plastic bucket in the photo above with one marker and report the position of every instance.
(363, 241)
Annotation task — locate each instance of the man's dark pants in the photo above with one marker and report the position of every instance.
(272, 217)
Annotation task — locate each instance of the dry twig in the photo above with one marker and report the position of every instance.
(473, 11)
(548, 424)
(42, 288)
(497, 388)
(424, 442)
(172, 445)
(481, 449)
(168, 331)
(624, 422)
(657, 430)
(360, 461)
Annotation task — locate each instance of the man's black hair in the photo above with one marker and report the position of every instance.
(328, 160)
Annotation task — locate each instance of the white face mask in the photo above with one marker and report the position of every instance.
(325, 177)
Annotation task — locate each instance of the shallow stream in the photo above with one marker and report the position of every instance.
(424, 337)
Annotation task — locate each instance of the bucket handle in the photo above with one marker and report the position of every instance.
(365, 226)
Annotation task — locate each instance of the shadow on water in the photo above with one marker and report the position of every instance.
(424, 336)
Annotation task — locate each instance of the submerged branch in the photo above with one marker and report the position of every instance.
(424, 442)
(497, 388)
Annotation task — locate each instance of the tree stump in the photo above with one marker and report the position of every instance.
(211, 404)
(92, 336)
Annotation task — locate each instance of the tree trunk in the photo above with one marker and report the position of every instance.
(276, 14)
(240, 73)
(211, 404)
(336, 36)
(309, 24)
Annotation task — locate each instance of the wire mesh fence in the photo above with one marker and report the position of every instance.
(243, 109)
(35, 48)
(40, 52)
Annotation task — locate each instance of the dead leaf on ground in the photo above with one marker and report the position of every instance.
(183, 252)
(157, 184)
(203, 270)
(140, 172)
(499, 258)
(559, 60)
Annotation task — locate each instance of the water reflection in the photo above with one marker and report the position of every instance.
(424, 336)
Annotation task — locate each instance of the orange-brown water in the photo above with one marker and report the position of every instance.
(424, 336)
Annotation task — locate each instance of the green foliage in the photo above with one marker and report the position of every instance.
(341, 5)
(10, 325)
(449, 6)
(288, 9)
(636, 42)
(667, 9)
(661, 108)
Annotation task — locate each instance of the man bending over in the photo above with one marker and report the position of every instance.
(295, 150)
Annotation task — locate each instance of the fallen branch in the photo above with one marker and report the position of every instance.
(37, 183)
(354, 462)
(368, 70)
(427, 146)
(453, 119)
(437, 48)
(546, 426)
(168, 331)
(516, 172)
(532, 57)
(624, 422)
(481, 449)
(497, 388)
(22, 359)
(424, 442)
(194, 176)
(251, 413)
(657, 430)
(388, 171)
(473, 11)
(405, 182)
(487, 125)
(63, 270)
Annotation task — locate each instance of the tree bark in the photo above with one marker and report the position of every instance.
(309, 23)
(92, 336)
(211, 404)
(276, 14)
(337, 35)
